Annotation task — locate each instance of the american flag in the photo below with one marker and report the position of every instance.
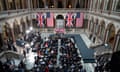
(40, 18)
(50, 19)
(69, 19)
(79, 19)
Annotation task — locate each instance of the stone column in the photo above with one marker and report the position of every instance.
(29, 4)
(106, 36)
(55, 3)
(115, 4)
(116, 42)
(64, 3)
(88, 24)
(45, 3)
(37, 4)
(13, 35)
(7, 6)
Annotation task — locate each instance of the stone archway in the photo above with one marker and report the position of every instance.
(59, 17)
(16, 28)
(28, 22)
(8, 33)
(102, 30)
(111, 35)
(60, 23)
(23, 25)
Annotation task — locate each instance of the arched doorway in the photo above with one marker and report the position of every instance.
(23, 25)
(16, 28)
(60, 23)
(78, 4)
(35, 23)
(50, 3)
(111, 35)
(40, 3)
(7, 31)
(28, 22)
(102, 30)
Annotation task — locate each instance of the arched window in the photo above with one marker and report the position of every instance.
(35, 23)
(60, 23)
(7, 31)
(78, 4)
(50, 3)
(59, 17)
(69, 4)
(18, 4)
(41, 3)
(118, 6)
(102, 4)
(111, 35)
(82, 3)
(16, 28)
(23, 25)
(60, 4)
(109, 5)
(11, 4)
(34, 3)
(4, 4)
(28, 22)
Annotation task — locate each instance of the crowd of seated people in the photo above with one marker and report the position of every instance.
(46, 58)
(103, 63)
(70, 60)
(47, 55)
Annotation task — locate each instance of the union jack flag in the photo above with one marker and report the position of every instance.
(69, 19)
(40, 18)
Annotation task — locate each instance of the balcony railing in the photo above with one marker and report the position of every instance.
(109, 12)
(10, 13)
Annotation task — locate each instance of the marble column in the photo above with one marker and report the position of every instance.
(116, 42)
(106, 36)
(13, 35)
